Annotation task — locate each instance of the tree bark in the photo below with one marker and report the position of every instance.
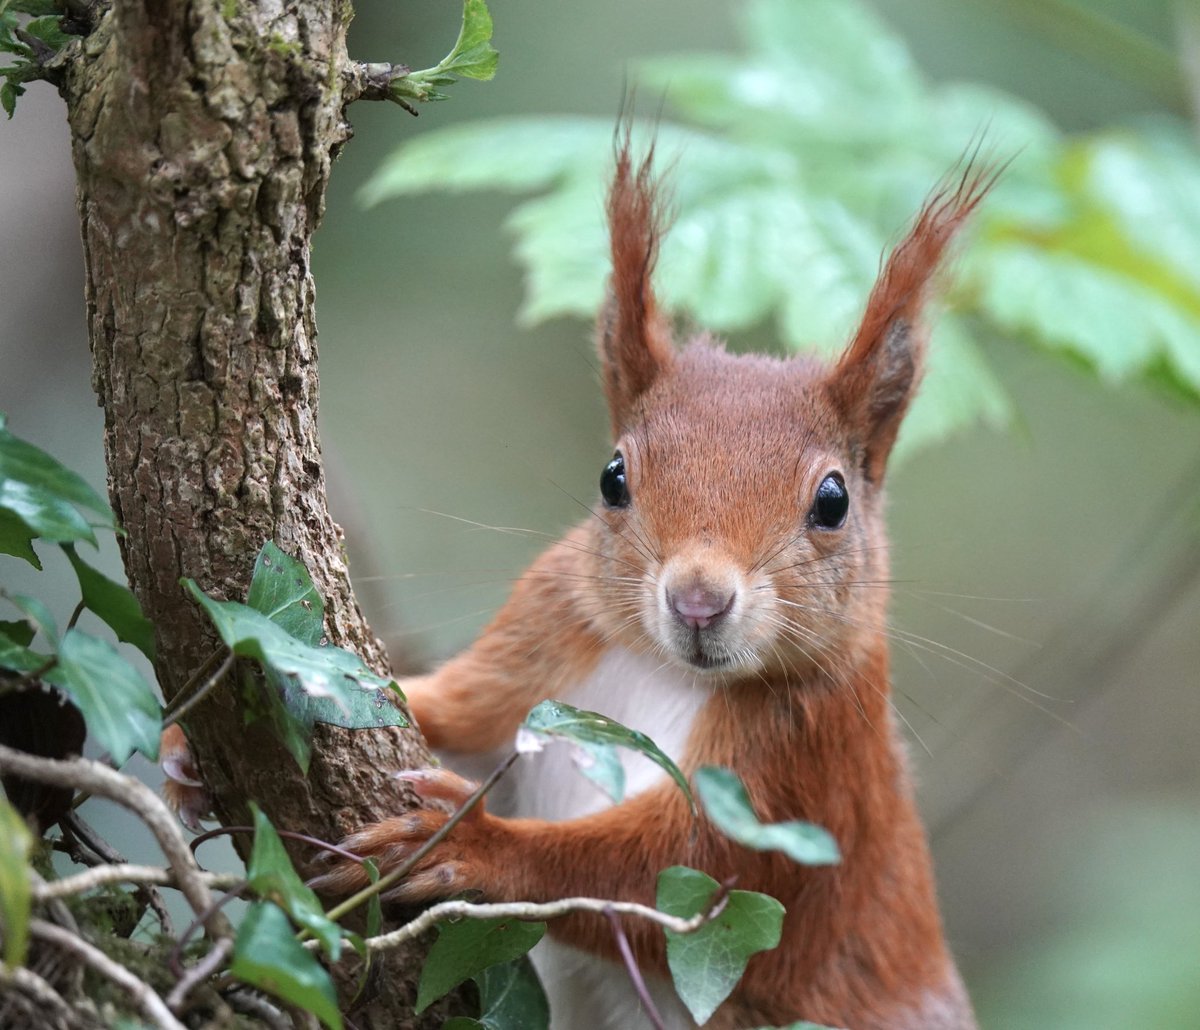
(203, 133)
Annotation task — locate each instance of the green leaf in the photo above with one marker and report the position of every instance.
(514, 154)
(20, 633)
(118, 704)
(510, 998)
(707, 964)
(36, 613)
(1119, 326)
(15, 655)
(283, 591)
(114, 603)
(267, 955)
(35, 7)
(9, 91)
(16, 538)
(595, 736)
(41, 478)
(467, 947)
(473, 56)
(826, 72)
(729, 807)
(49, 30)
(272, 876)
(354, 694)
(15, 892)
(50, 517)
(957, 390)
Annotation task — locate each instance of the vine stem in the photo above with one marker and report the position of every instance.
(539, 912)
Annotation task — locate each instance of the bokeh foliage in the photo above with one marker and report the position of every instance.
(795, 163)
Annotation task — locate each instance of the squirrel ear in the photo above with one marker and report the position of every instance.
(876, 376)
(633, 338)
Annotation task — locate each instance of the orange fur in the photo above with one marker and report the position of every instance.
(724, 456)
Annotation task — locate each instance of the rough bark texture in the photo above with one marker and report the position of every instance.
(203, 134)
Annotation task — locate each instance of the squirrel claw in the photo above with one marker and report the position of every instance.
(449, 867)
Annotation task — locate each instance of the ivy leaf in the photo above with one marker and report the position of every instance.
(707, 963)
(728, 805)
(267, 955)
(19, 633)
(9, 91)
(272, 876)
(282, 589)
(467, 947)
(308, 681)
(15, 892)
(14, 650)
(510, 998)
(119, 706)
(16, 538)
(595, 736)
(114, 603)
(36, 613)
(328, 673)
(45, 494)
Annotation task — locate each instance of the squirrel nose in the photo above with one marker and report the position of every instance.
(699, 608)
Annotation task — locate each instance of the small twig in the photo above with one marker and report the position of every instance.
(242, 999)
(150, 1004)
(78, 827)
(373, 82)
(79, 608)
(146, 875)
(631, 967)
(402, 870)
(175, 958)
(200, 972)
(83, 773)
(539, 912)
(43, 995)
(304, 838)
(190, 694)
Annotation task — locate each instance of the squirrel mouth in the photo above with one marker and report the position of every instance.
(699, 658)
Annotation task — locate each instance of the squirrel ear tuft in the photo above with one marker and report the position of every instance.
(633, 337)
(876, 377)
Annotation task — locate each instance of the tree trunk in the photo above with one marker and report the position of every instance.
(203, 133)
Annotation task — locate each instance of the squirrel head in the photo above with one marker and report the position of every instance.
(741, 519)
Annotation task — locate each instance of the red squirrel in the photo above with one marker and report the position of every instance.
(727, 599)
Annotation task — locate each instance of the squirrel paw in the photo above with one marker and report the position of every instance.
(456, 863)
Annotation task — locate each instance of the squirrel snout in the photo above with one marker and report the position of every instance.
(699, 607)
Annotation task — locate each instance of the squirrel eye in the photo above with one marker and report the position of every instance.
(831, 503)
(613, 487)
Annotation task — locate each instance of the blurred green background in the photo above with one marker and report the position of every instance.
(1056, 736)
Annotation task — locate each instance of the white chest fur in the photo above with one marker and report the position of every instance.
(637, 691)
(587, 993)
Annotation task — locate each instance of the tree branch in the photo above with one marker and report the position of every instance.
(138, 798)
